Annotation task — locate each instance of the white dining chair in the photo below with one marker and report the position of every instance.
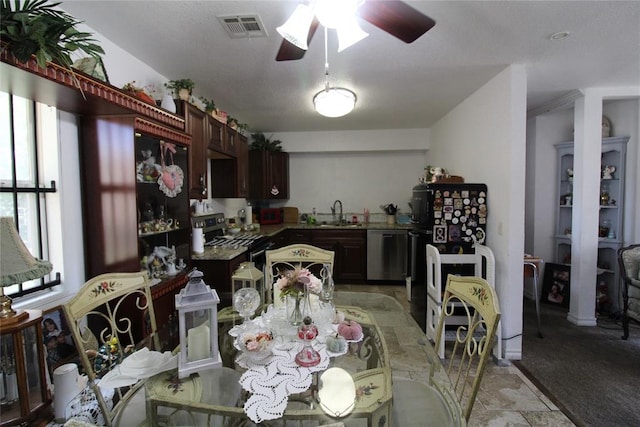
(290, 257)
(448, 397)
(115, 306)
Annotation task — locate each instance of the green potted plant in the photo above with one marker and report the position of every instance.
(209, 105)
(182, 88)
(261, 142)
(36, 28)
(232, 122)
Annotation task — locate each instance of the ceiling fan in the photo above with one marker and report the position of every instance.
(393, 16)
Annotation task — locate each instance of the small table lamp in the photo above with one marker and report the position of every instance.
(17, 265)
(197, 306)
(22, 365)
(248, 276)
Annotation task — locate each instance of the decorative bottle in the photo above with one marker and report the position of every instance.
(326, 295)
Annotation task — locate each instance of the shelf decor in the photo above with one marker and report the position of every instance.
(36, 29)
(172, 176)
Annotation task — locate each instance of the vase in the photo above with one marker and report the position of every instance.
(184, 94)
(168, 103)
(308, 356)
(294, 309)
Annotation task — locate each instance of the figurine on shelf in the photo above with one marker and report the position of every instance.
(570, 174)
(608, 171)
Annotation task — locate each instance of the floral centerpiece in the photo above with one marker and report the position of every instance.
(293, 282)
(297, 284)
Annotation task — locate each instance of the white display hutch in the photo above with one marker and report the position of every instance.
(614, 151)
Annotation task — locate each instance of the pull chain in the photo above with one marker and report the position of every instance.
(326, 60)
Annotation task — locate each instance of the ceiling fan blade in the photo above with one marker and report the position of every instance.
(396, 18)
(289, 52)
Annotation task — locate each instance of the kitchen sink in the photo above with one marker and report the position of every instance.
(342, 225)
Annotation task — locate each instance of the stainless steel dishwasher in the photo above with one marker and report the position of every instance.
(386, 254)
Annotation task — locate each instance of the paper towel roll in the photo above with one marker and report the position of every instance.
(197, 244)
(65, 388)
(249, 211)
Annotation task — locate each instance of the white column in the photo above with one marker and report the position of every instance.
(586, 208)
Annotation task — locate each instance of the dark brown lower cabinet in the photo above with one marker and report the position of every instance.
(217, 274)
(350, 247)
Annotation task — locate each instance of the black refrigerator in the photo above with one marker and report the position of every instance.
(451, 217)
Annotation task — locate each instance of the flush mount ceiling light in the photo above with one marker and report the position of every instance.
(334, 14)
(333, 101)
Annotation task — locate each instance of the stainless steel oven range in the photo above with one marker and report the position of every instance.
(216, 237)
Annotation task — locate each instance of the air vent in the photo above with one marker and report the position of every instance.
(242, 26)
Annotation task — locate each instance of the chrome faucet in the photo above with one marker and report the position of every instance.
(333, 212)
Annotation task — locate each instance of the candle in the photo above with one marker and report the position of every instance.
(12, 388)
(198, 343)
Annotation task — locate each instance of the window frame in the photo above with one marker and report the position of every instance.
(40, 129)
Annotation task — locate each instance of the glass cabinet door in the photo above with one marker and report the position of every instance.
(23, 390)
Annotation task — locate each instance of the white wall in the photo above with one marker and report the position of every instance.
(363, 169)
(541, 194)
(483, 139)
(625, 119)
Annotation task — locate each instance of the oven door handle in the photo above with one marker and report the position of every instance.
(254, 255)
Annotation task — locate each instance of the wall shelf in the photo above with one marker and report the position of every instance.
(611, 216)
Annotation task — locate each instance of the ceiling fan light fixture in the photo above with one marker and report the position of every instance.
(334, 101)
(332, 13)
(296, 29)
(350, 33)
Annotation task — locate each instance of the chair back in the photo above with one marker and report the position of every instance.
(110, 317)
(290, 257)
(475, 300)
(629, 261)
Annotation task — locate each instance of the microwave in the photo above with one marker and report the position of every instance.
(271, 216)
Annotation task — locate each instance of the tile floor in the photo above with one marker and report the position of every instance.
(506, 397)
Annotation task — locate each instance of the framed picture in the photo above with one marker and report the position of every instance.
(556, 284)
(60, 348)
(92, 66)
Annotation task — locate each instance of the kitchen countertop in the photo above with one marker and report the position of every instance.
(273, 229)
(218, 253)
(227, 254)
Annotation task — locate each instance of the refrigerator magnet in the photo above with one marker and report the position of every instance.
(440, 234)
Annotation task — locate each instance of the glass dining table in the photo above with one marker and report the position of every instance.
(221, 397)
(274, 390)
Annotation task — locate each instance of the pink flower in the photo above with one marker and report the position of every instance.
(293, 282)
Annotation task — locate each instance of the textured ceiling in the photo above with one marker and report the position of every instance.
(398, 85)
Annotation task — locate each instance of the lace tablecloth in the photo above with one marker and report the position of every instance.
(272, 377)
(272, 380)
